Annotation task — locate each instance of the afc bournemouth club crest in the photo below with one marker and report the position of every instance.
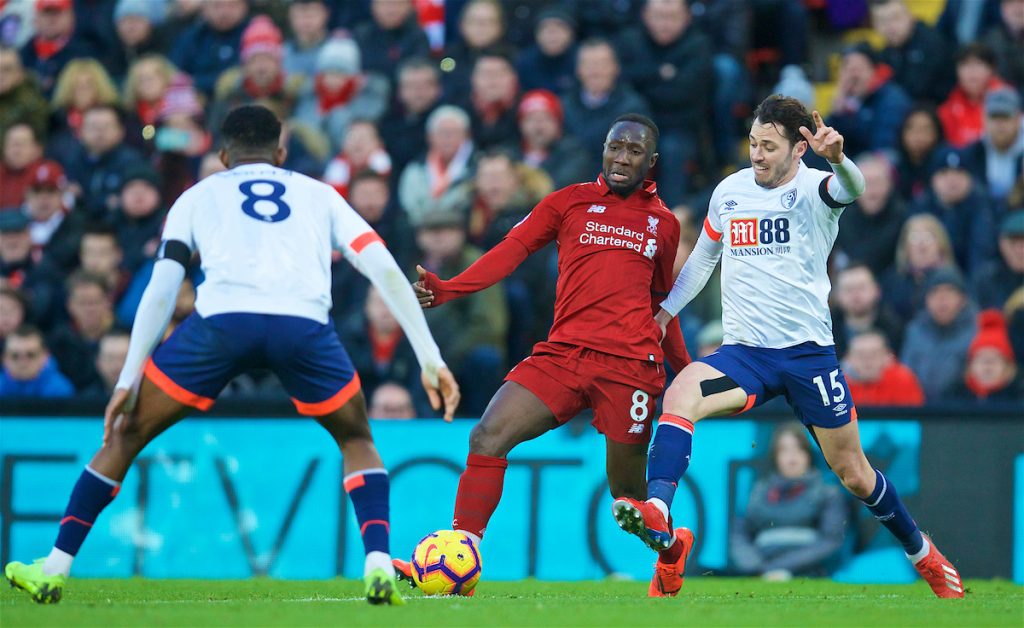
(789, 198)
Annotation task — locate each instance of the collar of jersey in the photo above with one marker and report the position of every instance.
(649, 187)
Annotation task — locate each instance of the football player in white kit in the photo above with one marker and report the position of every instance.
(773, 226)
(265, 237)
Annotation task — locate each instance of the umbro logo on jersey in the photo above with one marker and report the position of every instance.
(596, 209)
(789, 199)
(730, 204)
(652, 225)
(839, 408)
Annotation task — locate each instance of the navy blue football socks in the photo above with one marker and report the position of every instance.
(90, 496)
(885, 504)
(368, 489)
(669, 457)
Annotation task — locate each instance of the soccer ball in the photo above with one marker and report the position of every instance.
(446, 562)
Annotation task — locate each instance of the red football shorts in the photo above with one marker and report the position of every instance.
(568, 378)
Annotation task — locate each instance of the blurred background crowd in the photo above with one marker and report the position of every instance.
(444, 121)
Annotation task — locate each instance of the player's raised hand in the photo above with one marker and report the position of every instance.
(442, 389)
(423, 294)
(121, 404)
(826, 141)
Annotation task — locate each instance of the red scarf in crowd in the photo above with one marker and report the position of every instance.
(46, 48)
(257, 92)
(148, 111)
(491, 112)
(329, 99)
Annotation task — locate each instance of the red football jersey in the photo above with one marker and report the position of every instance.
(613, 254)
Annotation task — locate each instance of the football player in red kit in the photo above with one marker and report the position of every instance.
(616, 246)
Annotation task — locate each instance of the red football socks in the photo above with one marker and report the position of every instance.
(479, 493)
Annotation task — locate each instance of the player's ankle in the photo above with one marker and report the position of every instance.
(660, 505)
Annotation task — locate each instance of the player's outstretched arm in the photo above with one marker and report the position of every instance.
(155, 310)
(487, 270)
(377, 264)
(692, 278)
(828, 143)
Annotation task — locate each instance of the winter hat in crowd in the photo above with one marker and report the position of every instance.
(53, 5)
(152, 11)
(339, 55)
(991, 334)
(540, 100)
(180, 99)
(945, 277)
(47, 174)
(261, 37)
(142, 172)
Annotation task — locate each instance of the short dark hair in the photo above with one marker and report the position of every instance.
(85, 278)
(785, 112)
(28, 330)
(367, 174)
(17, 296)
(102, 106)
(418, 63)
(641, 120)
(251, 128)
(976, 50)
(100, 229)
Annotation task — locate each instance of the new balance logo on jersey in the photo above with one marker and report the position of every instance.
(596, 209)
(636, 428)
(652, 225)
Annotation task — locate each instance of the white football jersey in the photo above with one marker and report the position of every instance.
(265, 236)
(776, 244)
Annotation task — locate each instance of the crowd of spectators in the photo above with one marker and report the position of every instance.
(444, 121)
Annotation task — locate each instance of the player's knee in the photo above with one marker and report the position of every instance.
(857, 476)
(487, 439)
(683, 399)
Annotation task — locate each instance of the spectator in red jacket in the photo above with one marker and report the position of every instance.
(963, 112)
(875, 377)
(991, 375)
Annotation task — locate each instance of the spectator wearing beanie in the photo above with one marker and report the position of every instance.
(874, 375)
(140, 218)
(995, 282)
(212, 44)
(55, 230)
(307, 20)
(181, 137)
(936, 341)
(991, 376)
(545, 146)
(956, 199)
(341, 92)
(260, 78)
(550, 61)
(136, 23)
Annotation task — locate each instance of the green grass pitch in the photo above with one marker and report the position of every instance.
(704, 602)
